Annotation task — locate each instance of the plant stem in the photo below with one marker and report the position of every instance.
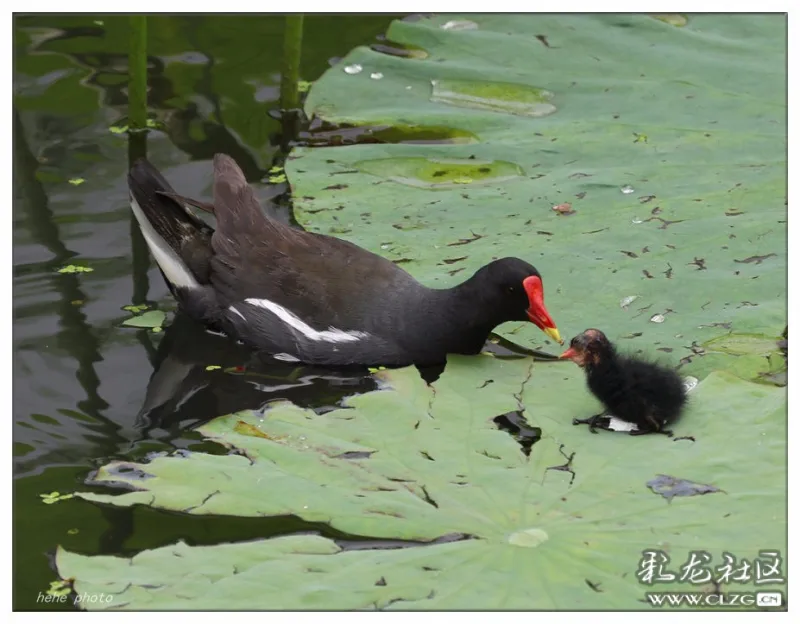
(292, 49)
(137, 73)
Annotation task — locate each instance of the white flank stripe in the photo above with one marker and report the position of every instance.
(234, 310)
(285, 357)
(617, 424)
(329, 335)
(174, 268)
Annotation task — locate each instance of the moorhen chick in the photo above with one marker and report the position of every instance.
(636, 391)
(307, 297)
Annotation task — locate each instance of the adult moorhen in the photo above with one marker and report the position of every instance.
(636, 391)
(313, 298)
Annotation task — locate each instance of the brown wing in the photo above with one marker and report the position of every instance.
(323, 280)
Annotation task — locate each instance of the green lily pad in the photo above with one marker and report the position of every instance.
(668, 143)
(755, 357)
(494, 96)
(426, 464)
(673, 19)
(438, 174)
(669, 146)
(743, 344)
(153, 319)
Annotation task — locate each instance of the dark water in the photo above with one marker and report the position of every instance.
(85, 389)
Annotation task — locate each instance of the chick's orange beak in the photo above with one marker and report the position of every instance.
(568, 354)
(537, 313)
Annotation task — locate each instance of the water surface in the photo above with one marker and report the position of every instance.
(85, 389)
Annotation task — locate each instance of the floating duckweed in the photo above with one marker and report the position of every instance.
(54, 497)
(59, 588)
(74, 268)
(135, 309)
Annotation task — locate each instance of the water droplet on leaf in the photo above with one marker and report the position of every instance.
(657, 318)
(528, 538)
(627, 189)
(355, 68)
(459, 25)
(376, 75)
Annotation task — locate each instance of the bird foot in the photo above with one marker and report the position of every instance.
(638, 432)
(592, 421)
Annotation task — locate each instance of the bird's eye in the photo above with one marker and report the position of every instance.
(511, 289)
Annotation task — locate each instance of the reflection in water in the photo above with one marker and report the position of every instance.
(199, 375)
(76, 336)
(81, 393)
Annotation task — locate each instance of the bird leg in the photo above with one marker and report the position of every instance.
(653, 426)
(639, 432)
(592, 421)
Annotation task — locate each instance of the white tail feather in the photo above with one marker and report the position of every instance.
(173, 267)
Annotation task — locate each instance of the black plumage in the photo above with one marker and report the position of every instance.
(646, 394)
(314, 298)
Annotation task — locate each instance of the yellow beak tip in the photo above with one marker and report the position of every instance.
(554, 334)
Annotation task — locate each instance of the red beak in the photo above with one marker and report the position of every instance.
(568, 354)
(537, 313)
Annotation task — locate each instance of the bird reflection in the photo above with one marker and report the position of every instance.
(199, 375)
